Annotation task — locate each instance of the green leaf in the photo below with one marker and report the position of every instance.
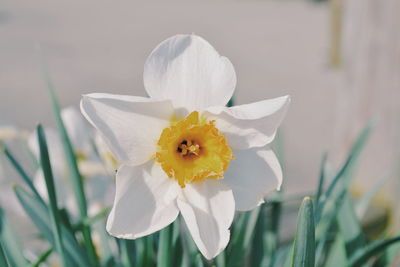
(335, 205)
(220, 260)
(257, 251)
(3, 258)
(231, 102)
(43, 257)
(321, 178)
(243, 238)
(356, 151)
(189, 249)
(281, 258)
(199, 261)
(391, 253)
(350, 227)
(175, 233)
(249, 232)
(345, 174)
(337, 255)
(76, 178)
(180, 254)
(10, 243)
(101, 214)
(150, 251)
(127, 252)
(145, 251)
(326, 229)
(372, 250)
(271, 235)
(48, 176)
(237, 232)
(164, 248)
(304, 243)
(289, 260)
(39, 215)
(106, 252)
(329, 196)
(25, 177)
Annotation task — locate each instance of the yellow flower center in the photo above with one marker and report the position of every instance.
(193, 150)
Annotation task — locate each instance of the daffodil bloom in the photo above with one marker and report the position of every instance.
(183, 151)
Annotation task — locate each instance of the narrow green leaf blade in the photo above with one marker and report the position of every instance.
(101, 214)
(242, 237)
(164, 248)
(271, 235)
(356, 151)
(346, 173)
(3, 258)
(48, 176)
(39, 215)
(20, 170)
(199, 261)
(350, 227)
(372, 250)
(304, 243)
(10, 242)
(127, 252)
(337, 254)
(76, 178)
(220, 260)
(145, 251)
(43, 257)
(321, 178)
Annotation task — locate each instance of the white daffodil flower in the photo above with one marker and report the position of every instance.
(183, 151)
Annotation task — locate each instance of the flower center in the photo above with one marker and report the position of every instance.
(188, 148)
(192, 150)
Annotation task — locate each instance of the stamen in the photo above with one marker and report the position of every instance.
(188, 148)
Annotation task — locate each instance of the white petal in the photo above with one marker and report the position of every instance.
(131, 126)
(208, 208)
(251, 125)
(252, 174)
(145, 201)
(187, 70)
(77, 129)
